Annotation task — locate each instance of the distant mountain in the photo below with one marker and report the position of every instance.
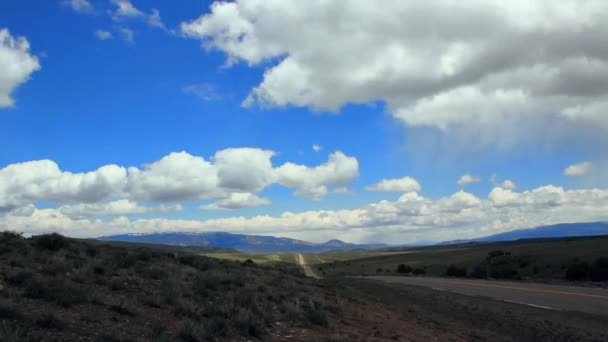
(240, 242)
(550, 231)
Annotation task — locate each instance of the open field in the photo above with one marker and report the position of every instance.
(258, 258)
(542, 259)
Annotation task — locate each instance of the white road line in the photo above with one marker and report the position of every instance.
(528, 304)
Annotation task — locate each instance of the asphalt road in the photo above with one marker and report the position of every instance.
(553, 297)
(307, 270)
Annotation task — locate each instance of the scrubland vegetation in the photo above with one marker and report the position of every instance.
(55, 288)
(582, 259)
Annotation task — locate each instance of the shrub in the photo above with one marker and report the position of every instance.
(317, 317)
(195, 261)
(402, 268)
(8, 311)
(10, 332)
(503, 272)
(62, 292)
(418, 271)
(191, 331)
(50, 242)
(123, 309)
(455, 271)
(479, 272)
(48, 320)
(248, 324)
(494, 254)
(599, 270)
(20, 277)
(577, 271)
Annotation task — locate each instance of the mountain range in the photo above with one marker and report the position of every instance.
(240, 242)
(549, 231)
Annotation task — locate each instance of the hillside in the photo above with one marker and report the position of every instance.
(549, 231)
(54, 288)
(240, 242)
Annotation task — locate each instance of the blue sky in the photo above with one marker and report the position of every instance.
(130, 102)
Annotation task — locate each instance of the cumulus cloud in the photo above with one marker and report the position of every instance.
(405, 184)
(410, 217)
(42, 180)
(231, 177)
(82, 6)
(121, 207)
(579, 169)
(125, 9)
(317, 147)
(103, 35)
(473, 68)
(312, 182)
(16, 65)
(467, 179)
(237, 200)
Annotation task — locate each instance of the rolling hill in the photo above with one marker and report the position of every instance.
(240, 242)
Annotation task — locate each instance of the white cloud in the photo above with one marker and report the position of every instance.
(125, 9)
(82, 6)
(230, 177)
(405, 184)
(154, 19)
(312, 182)
(579, 169)
(204, 91)
(42, 180)
(128, 35)
(317, 147)
(237, 200)
(507, 184)
(411, 217)
(467, 179)
(103, 35)
(493, 71)
(16, 65)
(121, 207)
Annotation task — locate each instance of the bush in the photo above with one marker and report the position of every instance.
(578, 271)
(479, 272)
(48, 320)
(190, 331)
(59, 291)
(50, 242)
(599, 270)
(8, 311)
(20, 277)
(402, 268)
(317, 317)
(494, 254)
(419, 271)
(248, 324)
(10, 332)
(455, 271)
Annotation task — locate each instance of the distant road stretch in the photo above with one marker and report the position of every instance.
(555, 297)
(307, 270)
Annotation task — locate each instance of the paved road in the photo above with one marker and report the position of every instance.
(590, 300)
(307, 270)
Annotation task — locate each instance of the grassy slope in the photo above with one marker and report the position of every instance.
(59, 289)
(547, 257)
